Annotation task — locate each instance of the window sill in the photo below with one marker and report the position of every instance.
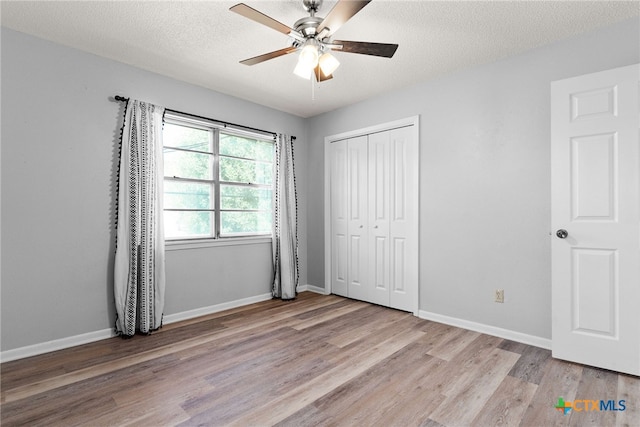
(178, 245)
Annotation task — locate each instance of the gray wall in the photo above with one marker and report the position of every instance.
(59, 153)
(485, 177)
(484, 204)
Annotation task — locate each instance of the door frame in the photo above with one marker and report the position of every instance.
(405, 122)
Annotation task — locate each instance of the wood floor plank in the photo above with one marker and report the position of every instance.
(351, 335)
(385, 331)
(452, 342)
(286, 309)
(365, 316)
(408, 402)
(254, 383)
(96, 370)
(560, 379)
(291, 402)
(436, 333)
(162, 384)
(156, 410)
(629, 391)
(507, 405)
(430, 423)
(516, 347)
(100, 369)
(470, 394)
(330, 315)
(413, 409)
(318, 360)
(42, 411)
(166, 415)
(370, 397)
(595, 385)
(470, 359)
(343, 405)
(530, 366)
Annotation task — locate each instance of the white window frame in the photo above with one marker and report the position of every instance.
(215, 128)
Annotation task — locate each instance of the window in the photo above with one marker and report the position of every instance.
(218, 182)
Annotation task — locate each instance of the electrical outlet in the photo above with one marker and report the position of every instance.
(500, 295)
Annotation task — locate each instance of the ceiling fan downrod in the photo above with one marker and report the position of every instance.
(312, 6)
(308, 25)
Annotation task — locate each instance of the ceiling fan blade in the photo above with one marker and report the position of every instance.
(320, 76)
(386, 50)
(265, 57)
(261, 18)
(341, 13)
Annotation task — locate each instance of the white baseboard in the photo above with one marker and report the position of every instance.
(62, 343)
(487, 329)
(59, 344)
(311, 288)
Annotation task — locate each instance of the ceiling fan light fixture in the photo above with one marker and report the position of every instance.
(309, 55)
(328, 63)
(302, 70)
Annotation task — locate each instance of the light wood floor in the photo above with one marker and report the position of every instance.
(320, 360)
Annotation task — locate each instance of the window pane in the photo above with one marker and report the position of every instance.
(250, 198)
(237, 146)
(187, 224)
(245, 223)
(184, 164)
(245, 171)
(186, 137)
(187, 195)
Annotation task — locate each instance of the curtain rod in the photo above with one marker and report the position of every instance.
(225, 124)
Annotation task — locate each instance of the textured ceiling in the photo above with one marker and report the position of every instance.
(201, 42)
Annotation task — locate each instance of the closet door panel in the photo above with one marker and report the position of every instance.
(378, 212)
(359, 286)
(399, 265)
(403, 225)
(339, 217)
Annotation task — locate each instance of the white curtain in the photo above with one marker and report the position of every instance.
(285, 222)
(139, 278)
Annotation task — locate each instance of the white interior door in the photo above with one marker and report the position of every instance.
(595, 174)
(339, 217)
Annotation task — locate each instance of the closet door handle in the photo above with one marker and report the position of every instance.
(375, 226)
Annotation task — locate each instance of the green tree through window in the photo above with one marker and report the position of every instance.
(217, 183)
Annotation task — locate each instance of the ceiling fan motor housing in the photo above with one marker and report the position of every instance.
(307, 26)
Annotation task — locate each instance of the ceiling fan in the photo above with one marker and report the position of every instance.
(311, 36)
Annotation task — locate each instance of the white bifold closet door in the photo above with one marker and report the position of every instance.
(374, 218)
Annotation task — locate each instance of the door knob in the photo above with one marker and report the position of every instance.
(562, 233)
